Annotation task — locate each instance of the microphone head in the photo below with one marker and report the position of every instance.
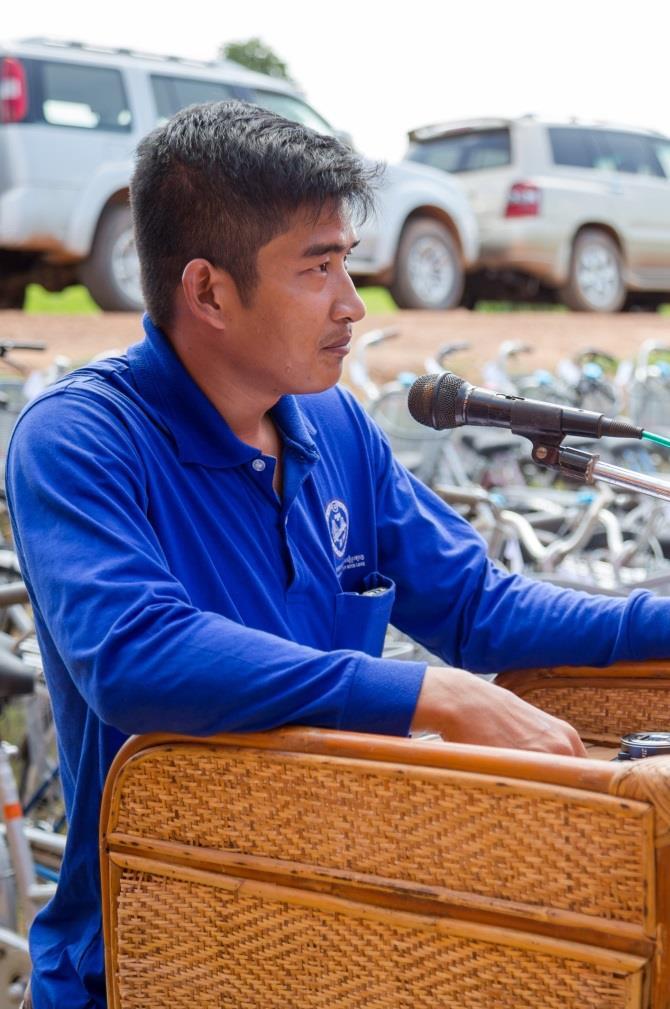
(432, 399)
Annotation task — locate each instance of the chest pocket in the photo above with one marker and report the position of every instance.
(361, 618)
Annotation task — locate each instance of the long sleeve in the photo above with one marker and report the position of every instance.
(459, 604)
(138, 650)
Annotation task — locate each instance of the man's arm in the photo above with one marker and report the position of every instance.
(476, 616)
(451, 598)
(140, 653)
(145, 659)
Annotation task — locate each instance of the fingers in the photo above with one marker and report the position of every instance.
(463, 708)
(577, 747)
(559, 736)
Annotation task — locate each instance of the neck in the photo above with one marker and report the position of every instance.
(237, 396)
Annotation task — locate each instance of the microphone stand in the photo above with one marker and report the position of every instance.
(587, 467)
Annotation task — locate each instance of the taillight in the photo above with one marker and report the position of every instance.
(13, 91)
(523, 200)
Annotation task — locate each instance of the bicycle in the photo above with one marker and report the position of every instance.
(21, 894)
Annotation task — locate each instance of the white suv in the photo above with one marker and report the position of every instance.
(580, 211)
(70, 118)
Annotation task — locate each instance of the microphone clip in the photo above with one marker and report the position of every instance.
(586, 467)
(570, 462)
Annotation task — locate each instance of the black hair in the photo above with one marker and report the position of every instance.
(219, 181)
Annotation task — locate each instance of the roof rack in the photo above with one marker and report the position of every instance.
(117, 51)
(433, 130)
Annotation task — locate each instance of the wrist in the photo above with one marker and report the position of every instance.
(442, 705)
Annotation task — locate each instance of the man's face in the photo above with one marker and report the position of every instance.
(296, 331)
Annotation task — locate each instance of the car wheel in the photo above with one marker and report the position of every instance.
(428, 268)
(595, 282)
(12, 296)
(112, 271)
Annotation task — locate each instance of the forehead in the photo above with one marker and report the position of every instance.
(311, 231)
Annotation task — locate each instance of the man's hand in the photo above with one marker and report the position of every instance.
(463, 708)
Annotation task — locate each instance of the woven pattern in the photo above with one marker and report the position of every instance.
(464, 837)
(605, 710)
(185, 944)
(649, 781)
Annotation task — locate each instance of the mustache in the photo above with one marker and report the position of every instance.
(339, 338)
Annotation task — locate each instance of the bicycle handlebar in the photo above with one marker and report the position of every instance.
(358, 369)
(375, 336)
(510, 348)
(546, 557)
(13, 592)
(16, 678)
(6, 346)
(589, 353)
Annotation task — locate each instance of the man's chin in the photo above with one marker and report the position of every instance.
(326, 379)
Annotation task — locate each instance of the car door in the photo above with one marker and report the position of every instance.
(79, 116)
(581, 184)
(642, 164)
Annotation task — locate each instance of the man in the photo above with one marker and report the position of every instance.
(201, 523)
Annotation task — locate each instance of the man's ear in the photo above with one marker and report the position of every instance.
(208, 291)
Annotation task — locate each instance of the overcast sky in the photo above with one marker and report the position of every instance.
(379, 69)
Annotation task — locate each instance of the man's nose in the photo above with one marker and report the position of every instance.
(348, 304)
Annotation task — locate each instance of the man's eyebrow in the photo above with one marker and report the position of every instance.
(323, 248)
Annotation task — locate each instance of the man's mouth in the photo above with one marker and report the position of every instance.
(340, 345)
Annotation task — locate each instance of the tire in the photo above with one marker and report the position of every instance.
(469, 295)
(428, 269)
(13, 297)
(642, 302)
(112, 271)
(595, 282)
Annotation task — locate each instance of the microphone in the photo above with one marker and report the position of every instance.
(446, 401)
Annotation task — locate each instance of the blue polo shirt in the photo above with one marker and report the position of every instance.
(174, 590)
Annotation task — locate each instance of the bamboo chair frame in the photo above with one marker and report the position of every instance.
(306, 868)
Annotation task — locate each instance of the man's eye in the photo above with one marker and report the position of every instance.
(323, 267)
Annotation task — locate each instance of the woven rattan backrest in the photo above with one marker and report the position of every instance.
(308, 869)
(603, 704)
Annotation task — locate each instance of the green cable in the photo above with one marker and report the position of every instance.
(657, 438)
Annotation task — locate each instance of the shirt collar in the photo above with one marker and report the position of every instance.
(200, 432)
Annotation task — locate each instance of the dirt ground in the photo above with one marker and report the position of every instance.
(553, 335)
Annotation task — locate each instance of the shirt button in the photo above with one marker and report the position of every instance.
(258, 465)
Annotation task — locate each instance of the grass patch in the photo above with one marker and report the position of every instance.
(72, 301)
(77, 301)
(518, 306)
(377, 300)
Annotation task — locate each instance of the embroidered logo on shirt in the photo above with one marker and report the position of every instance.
(337, 520)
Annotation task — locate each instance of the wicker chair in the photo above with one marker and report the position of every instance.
(310, 869)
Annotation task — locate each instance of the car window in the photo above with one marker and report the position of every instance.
(632, 153)
(662, 151)
(607, 150)
(575, 147)
(86, 97)
(469, 151)
(291, 108)
(174, 93)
